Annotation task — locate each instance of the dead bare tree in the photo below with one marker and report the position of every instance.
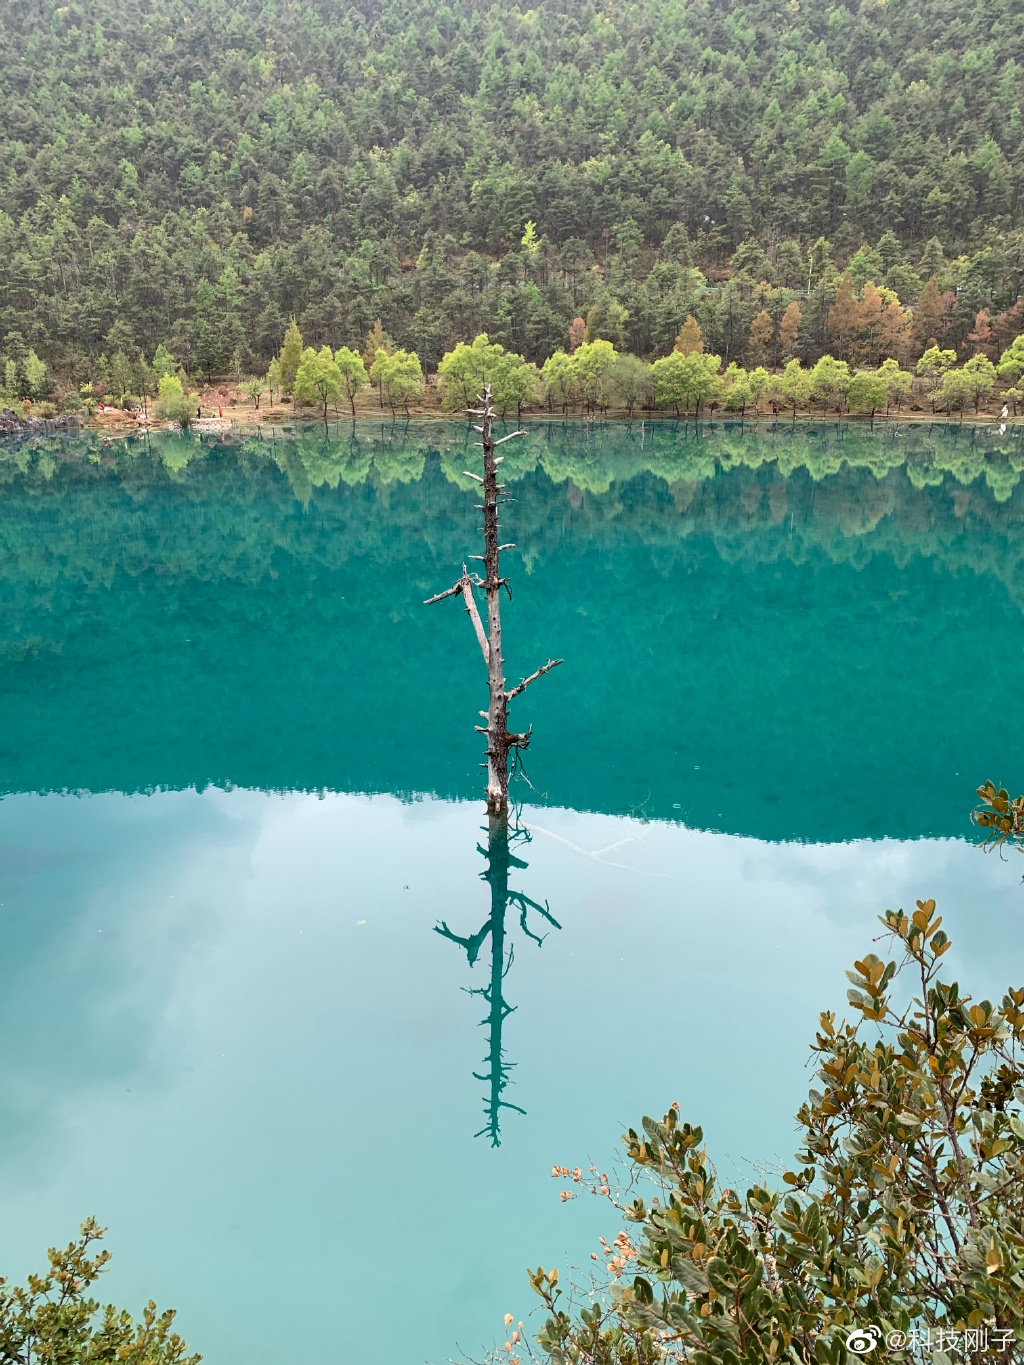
(500, 741)
(501, 744)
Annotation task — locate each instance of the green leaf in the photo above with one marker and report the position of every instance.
(642, 1289)
(690, 1275)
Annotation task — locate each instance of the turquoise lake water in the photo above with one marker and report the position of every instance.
(240, 788)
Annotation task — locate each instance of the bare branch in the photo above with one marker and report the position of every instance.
(474, 615)
(472, 943)
(525, 904)
(453, 591)
(510, 437)
(465, 586)
(467, 475)
(521, 687)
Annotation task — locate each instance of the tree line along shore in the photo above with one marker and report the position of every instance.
(588, 377)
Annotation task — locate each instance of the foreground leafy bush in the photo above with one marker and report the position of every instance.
(52, 1321)
(900, 1230)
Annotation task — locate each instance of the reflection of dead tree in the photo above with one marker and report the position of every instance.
(500, 743)
(500, 859)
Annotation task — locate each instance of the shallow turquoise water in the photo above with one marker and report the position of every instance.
(241, 788)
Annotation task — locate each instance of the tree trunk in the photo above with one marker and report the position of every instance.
(499, 741)
(497, 709)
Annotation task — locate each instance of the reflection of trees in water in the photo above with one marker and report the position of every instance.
(500, 861)
(78, 512)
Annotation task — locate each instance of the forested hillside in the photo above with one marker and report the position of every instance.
(198, 171)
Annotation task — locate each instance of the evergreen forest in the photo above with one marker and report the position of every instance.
(197, 173)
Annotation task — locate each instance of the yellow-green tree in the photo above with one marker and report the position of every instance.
(592, 362)
(795, 386)
(1011, 362)
(685, 380)
(981, 376)
(898, 382)
(516, 384)
(629, 382)
(736, 393)
(868, 392)
(560, 378)
(318, 378)
(932, 366)
(957, 391)
(291, 357)
(173, 404)
(400, 377)
(830, 382)
(352, 372)
(464, 370)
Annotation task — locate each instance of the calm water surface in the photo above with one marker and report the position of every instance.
(241, 788)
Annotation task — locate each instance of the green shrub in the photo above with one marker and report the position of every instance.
(173, 404)
(900, 1221)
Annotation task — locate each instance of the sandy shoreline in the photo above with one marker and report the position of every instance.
(116, 424)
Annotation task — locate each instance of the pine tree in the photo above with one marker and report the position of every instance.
(933, 260)
(842, 315)
(789, 331)
(376, 340)
(762, 333)
(690, 340)
(894, 333)
(981, 338)
(928, 315)
(291, 356)
(889, 249)
(865, 338)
